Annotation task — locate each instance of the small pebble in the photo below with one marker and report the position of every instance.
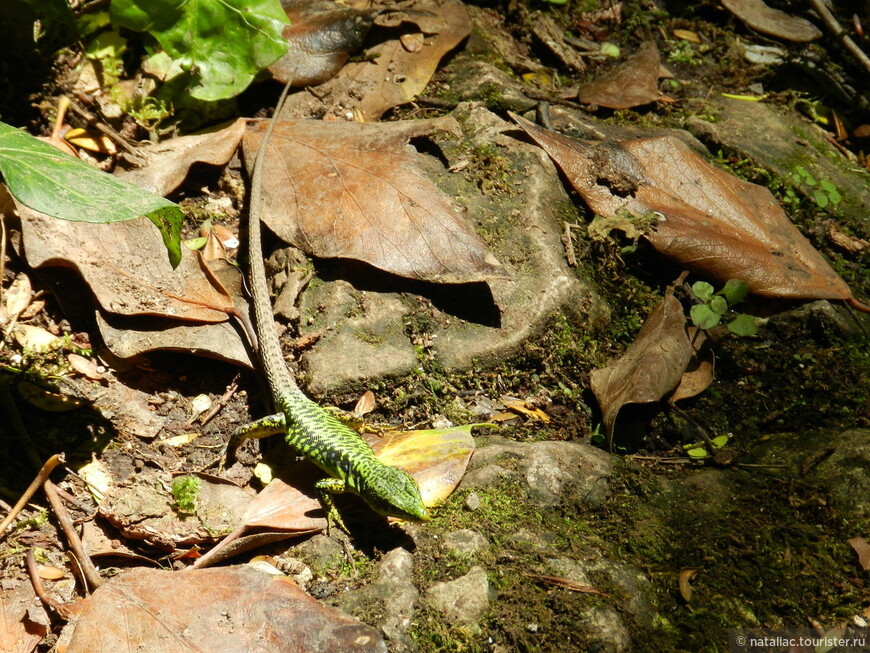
(472, 501)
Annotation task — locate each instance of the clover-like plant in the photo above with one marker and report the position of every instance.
(717, 307)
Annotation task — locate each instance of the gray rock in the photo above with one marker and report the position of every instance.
(836, 462)
(392, 597)
(462, 601)
(321, 553)
(364, 333)
(778, 139)
(464, 542)
(547, 470)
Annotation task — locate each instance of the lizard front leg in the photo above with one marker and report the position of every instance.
(324, 489)
(261, 428)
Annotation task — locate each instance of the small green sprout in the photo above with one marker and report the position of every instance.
(697, 450)
(824, 193)
(716, 306)
(184, 492)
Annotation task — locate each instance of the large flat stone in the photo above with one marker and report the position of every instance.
(372, 324)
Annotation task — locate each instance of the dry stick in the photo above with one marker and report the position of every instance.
(838, 32)
(62, 610)
(75, 542)
(2, 252)
(41, 477)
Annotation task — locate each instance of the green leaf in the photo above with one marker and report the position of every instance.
(698, 453)
(805, 176)
(221, 44)
(831, 191)
(703, 317)
(47, 180)
(735, 291)
(821, 198)
(720, 441)
(702, 290)
(718, 305)
(743, 325)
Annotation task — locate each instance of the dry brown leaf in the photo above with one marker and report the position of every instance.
(168, 163)
(397, 75)
(125, 265)
(322, 35)
(353, 191)
(365, 404)
(632, 83)
(773, 22)
(85, 366)
(568, 584)
(18, 296)
(862, 548)
(552, 35)
(392, 74)
(709, 221)
(19, 632)
(686, 575)
(223, 609)
(699, 372)
(650, 368)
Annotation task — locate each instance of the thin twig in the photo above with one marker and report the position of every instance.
(32, 570)
(72, 537)
(838, 32)
(223, 401)
(41, 477)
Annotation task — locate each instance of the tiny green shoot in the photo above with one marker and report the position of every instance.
(717, 307)
(184, 492)
(697, 450)
(824, 193)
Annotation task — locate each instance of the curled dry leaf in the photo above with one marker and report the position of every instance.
(686, 575)
(169, 611)
(699, 372)
(36, 338)
(650, 368)
(168, 163)
(365, 404)
(18, 296)
(23, 620)
(862, 548)
(85, 366)
(354, 191)
(773, 22)
(708, 220)
(632, 83)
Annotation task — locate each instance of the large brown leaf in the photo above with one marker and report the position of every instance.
(125, 265)
(711, 222)
(353, 190)
(225, 609)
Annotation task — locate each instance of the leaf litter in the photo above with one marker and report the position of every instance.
(355, 191)
(708, 221)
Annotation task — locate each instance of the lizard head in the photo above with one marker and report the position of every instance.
(395, 493)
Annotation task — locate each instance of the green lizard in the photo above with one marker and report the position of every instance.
(308, 428)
